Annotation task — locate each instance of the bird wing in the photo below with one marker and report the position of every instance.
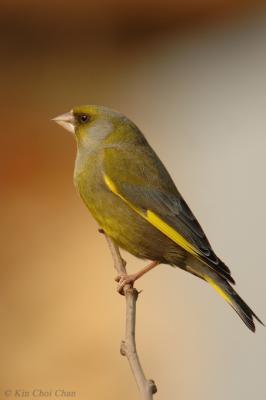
(140, 179)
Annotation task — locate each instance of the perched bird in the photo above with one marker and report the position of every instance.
(131, 195)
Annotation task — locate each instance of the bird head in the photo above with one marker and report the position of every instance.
(90, 124)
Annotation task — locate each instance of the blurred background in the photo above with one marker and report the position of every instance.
(191, 74)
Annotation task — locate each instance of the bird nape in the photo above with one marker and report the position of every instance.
(133, 198)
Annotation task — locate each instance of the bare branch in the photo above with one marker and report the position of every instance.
(128, 348)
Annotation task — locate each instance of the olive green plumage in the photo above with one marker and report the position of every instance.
(133, 198)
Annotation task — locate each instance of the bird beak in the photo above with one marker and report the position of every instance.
(66, 120)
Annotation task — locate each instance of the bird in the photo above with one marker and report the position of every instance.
(133, 198)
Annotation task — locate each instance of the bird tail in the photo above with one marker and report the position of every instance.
(226, 291)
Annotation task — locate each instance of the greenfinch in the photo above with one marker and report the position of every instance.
(133, 198)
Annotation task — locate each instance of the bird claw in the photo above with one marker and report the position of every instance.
(124, 280)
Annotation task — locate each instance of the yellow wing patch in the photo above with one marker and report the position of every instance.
(110, 185)
(170, 232)
(156, 221)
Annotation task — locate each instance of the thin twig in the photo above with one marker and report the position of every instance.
(128, 348)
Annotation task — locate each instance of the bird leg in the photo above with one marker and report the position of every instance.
(125, 279)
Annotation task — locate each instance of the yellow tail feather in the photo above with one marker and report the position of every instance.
(219, 290)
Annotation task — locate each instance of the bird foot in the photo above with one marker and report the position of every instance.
(123, 280)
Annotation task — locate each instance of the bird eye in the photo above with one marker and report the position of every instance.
(83, 118)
